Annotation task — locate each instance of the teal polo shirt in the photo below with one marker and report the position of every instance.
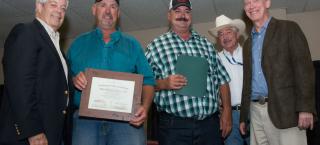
(122, 53)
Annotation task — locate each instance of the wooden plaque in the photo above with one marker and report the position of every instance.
(111, 95)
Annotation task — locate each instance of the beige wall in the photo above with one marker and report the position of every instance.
(309, 23)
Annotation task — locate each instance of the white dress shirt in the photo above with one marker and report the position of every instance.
(233, 64)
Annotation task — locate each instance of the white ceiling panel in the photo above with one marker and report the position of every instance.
(313, 5)
(75, 24)
(144, 14)
(234, 9)
(136, 14)
(82, 8)
(25, 6)
(8, 10)
(203, 11)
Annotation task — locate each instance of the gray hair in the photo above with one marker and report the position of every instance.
(45, 1)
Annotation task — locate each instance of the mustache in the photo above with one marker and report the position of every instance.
(182, 19)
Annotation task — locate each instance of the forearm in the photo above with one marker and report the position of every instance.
(161, 85)
(225, 97)
(147, 96)
(225, 119)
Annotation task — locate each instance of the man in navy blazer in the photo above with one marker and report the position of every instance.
(36, 86)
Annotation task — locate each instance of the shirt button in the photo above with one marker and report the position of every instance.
(64, 112)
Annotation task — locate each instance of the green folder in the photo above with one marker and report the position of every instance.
(195, 69)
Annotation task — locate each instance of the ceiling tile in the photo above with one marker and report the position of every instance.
(22, 6)
(136, 14)
(313, 5)
(203, 11)
(234, 8)
(143, 14)
(75, 24)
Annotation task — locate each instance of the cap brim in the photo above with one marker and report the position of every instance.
(181, 4)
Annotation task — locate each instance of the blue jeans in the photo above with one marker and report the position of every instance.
(87, 131)
(235, 137)
(187, 131)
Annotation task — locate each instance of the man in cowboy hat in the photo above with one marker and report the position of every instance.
(227, 33)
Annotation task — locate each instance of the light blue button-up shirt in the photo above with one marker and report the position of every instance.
(259, 84)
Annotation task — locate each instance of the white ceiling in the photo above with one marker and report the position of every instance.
(135, 14)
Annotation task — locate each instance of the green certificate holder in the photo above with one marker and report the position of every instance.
(195, 69)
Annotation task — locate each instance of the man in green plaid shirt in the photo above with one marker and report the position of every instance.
(185, 120)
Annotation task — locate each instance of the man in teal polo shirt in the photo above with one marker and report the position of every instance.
(107, 48)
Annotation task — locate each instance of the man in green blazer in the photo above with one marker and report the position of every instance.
(278, 89)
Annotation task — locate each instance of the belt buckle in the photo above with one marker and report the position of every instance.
(237, 107)
(262, 100)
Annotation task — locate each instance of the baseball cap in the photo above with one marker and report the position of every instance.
(177, 3)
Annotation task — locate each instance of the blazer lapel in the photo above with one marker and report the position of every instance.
(46, 38)
(267, 50)
(269, 34)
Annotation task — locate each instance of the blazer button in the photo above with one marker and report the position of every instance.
(64, 112)
(66, 92)
(18, 132)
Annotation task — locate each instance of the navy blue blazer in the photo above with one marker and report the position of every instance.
(35, 87)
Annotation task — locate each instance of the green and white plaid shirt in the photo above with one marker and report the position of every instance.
(162, 54)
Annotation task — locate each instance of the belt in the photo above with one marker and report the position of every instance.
(167, 115)
(262, 100)
(236, 107)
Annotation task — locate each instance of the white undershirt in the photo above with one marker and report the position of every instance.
(235, 72)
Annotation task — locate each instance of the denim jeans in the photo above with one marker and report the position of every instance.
(87, 131)
(235, 137)
(187, 131)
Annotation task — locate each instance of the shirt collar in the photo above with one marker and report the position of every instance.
(236, 52)
(49, 29)
(263, 28)
(115, 36)
(194, 34)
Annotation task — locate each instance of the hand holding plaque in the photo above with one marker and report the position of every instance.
(111, 95)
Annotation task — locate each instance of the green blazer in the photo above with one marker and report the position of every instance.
(288, 69)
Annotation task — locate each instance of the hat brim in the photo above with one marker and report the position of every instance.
(239, 24)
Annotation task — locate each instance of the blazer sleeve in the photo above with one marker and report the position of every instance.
(20, 73)
(303, 69)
